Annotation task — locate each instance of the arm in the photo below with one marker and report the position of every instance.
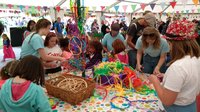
(166, 96)
(46, 57)
(139, 57)
(129, 41)
(160, 63)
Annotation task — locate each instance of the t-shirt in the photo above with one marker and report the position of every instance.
(135, 31)
(55, 51)
(30, 46)
(58, 26)
(164, 48)
(183, 76)
(108, 40)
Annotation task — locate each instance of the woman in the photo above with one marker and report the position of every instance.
(181, 82)
(34, 44)
(155, 50)
(30, 28)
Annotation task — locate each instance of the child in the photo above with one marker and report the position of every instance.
(23, 92)
(154, 50)
(94, 53)
(181, 82)
(119, 51)
(52, 49)
(7, 48)
(64, 45)
(7, 71)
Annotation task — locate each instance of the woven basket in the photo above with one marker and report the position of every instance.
(66, 95)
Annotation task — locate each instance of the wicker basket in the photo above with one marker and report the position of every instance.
(66, 95)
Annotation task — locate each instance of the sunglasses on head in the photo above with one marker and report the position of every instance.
(149, 35)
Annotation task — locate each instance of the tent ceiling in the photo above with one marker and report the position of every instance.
(98, 3)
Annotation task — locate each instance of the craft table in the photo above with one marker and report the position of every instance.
(130, 102)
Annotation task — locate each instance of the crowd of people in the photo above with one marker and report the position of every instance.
(169, 54)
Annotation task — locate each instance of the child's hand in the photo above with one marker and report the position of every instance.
(156, 71)
(139, 67)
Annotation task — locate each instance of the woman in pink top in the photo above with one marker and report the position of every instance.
(119, 52)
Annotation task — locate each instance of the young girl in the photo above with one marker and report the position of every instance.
(7, 48)
(52, 49)
(154, 49)
(64, 45)
(34, 44)
(7, 71)
(30, 28)
(94, 53)
(23, 93)
(181, 82)
(119, 51)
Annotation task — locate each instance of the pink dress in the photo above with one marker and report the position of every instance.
(122, 57)
(7, 50)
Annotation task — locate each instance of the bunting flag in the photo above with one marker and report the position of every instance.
(177, 12)
(182, 12)
(192, 10)
(51, 9)
(27, 7)
(195, 2)
(4, 6)
(45, 8)
(133, 7)
(21, 7)
(15, 6)
(187, 11)
(9, 6)
(38, 8)
(94, 8)
(33, 10)
(125, 7)
(162, 4)
(116, 8)
(152, 5)
(173, 4)
(58, 8)
(142, 5)
(198, 10)
(184, 2)
(102, 8)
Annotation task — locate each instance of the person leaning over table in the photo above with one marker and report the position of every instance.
(181, 83)
(154, 49)
(34, 44)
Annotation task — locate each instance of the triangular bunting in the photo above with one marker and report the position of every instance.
(94, 8)
(58, 8)
(143, 6)
(162, 4)
(187, 11)
(38, 8)
(177, 12)
(32, 9)
(4, 6)
(102, 8)
(21, 7)
(45, 8)
(195, 2)
(116, 8)
(133, 7)
(192, 10)
(125, 7)
(26, 7)
(198, 10)
(173, 4)
(9, 6)
(15, 6)
(152, 5)
(182, 12)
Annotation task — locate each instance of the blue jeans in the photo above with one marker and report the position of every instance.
(132, 58)
(177, 108)
(149, 64)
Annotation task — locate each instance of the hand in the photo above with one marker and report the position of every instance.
(153, 78)
(62, 59)
(156, 70)
(161, 75)
(139, 67)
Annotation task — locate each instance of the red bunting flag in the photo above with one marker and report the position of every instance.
(173, 4)
(102, 8)
(38, 7)
(10, 6)
(195, 2)
(143, 6)
(58, 8)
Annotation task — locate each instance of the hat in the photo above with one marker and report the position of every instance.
(150, 19)
(181, 30)
(115, 27)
